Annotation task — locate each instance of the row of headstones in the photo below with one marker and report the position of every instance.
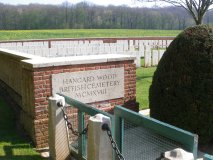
(152, 57)
(93, 45)
(24, 45)
(100, 42)
(75, 51)
(137, 48)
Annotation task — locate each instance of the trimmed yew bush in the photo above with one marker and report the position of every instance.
(181, 93)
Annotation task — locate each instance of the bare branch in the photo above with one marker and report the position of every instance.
(196, 8)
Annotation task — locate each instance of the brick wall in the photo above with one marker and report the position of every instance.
(42, 90)
(26, 81)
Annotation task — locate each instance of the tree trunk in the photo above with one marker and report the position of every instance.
(199, 20)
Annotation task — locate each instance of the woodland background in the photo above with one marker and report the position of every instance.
(89, 16)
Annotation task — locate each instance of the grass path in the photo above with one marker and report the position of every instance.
(12, 146)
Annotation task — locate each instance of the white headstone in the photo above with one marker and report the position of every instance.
(141, 50)
(154, 57)
(147, 58)
(161, 52)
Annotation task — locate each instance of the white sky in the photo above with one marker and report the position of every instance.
(130, 3)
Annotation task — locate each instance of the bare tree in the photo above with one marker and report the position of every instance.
(196, 8)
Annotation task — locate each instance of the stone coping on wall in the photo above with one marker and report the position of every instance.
(75, 60)
(19, 55)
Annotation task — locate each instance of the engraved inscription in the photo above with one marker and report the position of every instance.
(90, 86)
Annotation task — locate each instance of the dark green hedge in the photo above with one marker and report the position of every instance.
(182, 89)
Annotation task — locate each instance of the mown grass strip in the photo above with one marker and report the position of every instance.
(143, 82)
(12, 145)
(82, 33)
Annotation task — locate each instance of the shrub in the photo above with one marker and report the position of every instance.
(182, 89)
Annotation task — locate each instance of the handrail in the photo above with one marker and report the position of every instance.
(189, 140)
(208, 157)
(84, 107)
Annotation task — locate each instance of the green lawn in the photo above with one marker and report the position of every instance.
(81, 33)
(143, 82)
(12, 146)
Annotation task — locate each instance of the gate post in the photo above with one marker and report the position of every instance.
(58, 134)
(98, 146)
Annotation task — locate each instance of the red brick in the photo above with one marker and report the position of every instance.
(36, 78)
(48, 72)
(40, 99)
(40, 86)
(57, 71)
(39, 82)
(38, 95)
(97, 67)
(105, 67)
(90, 68)
(38, 73)
(46, 77)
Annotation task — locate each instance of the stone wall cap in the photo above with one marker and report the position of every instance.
(75, 60)
(17, 54)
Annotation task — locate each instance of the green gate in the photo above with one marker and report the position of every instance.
(138, 137)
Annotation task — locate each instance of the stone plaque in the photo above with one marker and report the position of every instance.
(90, 86)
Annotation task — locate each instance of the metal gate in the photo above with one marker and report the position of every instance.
(138, 137)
